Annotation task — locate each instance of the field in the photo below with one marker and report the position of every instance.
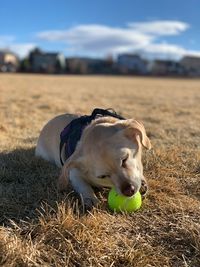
(42, 227)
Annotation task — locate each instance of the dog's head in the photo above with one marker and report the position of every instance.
(109, 153)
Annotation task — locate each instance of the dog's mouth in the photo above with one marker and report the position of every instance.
(129, 192)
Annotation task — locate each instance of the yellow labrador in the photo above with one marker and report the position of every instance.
(107, 154)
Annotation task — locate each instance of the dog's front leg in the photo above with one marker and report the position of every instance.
(83, 188)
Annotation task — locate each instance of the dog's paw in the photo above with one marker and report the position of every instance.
(90, 202)
(144, 188)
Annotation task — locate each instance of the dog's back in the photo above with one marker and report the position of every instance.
(49, 139)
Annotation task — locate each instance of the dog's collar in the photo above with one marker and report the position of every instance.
(71, 134)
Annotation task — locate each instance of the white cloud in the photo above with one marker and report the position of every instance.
(160, 27)
(99, 40)
(6, 39)
(164, 50)
(193, 53)
(167, 51)
(21, 49)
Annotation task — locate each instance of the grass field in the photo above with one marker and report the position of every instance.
(41, 227)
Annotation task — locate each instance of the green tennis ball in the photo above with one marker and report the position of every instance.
(117, 202)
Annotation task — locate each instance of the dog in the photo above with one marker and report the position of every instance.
(108, 153)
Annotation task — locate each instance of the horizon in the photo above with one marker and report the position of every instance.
(148, 59)
(153, 30)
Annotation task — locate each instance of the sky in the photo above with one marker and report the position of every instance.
(167, 29)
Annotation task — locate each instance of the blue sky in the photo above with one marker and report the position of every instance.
(162, 29)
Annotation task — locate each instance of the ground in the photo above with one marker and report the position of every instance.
(41, 227)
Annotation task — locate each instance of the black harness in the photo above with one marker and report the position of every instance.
(71, 134)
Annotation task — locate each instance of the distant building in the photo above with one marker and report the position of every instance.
(76, 65)
(191, 65)
(166, 67)
(46, 62)
(8, 61)
(84, 65)
(130, 63)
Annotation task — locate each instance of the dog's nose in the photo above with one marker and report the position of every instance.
(128, 190)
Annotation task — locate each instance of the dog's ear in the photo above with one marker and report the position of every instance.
(135, 129)
(73, 162)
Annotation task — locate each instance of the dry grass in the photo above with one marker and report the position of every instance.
(40, 227)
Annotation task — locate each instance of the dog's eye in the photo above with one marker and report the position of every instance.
(103, 176)
(123, 163)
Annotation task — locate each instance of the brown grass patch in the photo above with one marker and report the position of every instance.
(40, 227)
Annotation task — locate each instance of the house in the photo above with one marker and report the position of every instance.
(130, 63)
(191, 64)
(166, 68)
(8, 61)
(76, 65)
(84, 65)
(42, 62)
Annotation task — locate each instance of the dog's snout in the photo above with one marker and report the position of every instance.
(128, 190)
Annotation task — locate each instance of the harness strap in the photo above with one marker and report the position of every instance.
(73, 131)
